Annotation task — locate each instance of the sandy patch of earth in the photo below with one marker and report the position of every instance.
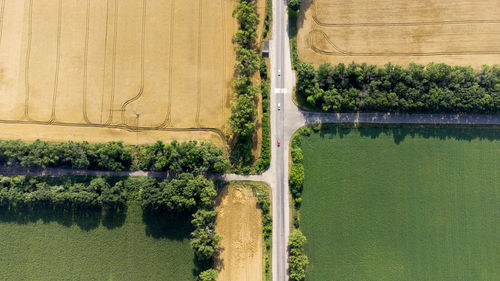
(239, 221)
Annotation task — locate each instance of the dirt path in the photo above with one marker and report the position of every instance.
(240, 223)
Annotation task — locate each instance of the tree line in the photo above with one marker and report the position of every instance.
(175, 157)
(434, 88)
(32, 192)
(243, 110)
(297, 260)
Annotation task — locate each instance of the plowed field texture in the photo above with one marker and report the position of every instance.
(49, 246)
(100, 70)
(402, 204)
(462, 32)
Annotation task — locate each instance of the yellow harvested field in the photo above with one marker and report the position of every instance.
(239, 221)
(101, 70)
(459, 32)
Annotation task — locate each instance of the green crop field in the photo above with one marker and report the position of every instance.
(47, 246)
(402, 204)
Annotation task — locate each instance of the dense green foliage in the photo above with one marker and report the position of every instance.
(27, 192)
(243, 111)
(265, 154)
(185, 157)
(292, 31)
(50, 247)
(173, 158)
(76, 155)
(208, 275)
(296, 175)
(294, 4)
(184, 194)
(262, 191)
(268, 18)
(205, 241)
(297, 260)
(437, 88)
(402, 204)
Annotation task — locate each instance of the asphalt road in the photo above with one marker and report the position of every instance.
(280, 87)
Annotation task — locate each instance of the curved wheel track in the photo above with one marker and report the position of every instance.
(382, 24)
(141, 87)
(340, 52)
(58, 62)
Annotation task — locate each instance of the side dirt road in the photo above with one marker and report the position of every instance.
(239, 221)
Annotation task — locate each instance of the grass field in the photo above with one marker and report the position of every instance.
(136, 70)
(459, 32)
(395, 205)
(129, 250)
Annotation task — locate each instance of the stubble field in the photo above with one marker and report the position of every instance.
(104, 70)
(460, 32)
(402, 204)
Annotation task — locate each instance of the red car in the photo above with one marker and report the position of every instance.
(279, 143)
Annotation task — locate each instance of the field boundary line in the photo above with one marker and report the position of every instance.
(58, 60)
(198, 70)
(341, 52)
(27, 62)
(85, 57)
(381, 24)
(113, 66)
(141, 88)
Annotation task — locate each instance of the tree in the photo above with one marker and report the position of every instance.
(242, 117)
(247, 61)
(246, 16)
(208, 275)
(294, 4)
(297, 261)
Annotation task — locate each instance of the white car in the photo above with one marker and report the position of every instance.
(279, 106)
(279, 72)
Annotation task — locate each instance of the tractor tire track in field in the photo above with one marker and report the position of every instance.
(27, 62)
(166, 120)
(2, 12)
(58, 60)
(104, 60)
(85, 58)
(141, 87)
(119, 126)
(340, 52)
(198, 70)
(113, 67)
(224, 50)
(368, 24)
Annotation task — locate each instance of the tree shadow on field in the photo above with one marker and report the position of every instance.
(163, 225)
(400, 132)
(85, 219)
(304, 6)
(114, 218)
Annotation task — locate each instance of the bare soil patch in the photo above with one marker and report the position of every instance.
(460, 32)
(140, 67)
(239, 221)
